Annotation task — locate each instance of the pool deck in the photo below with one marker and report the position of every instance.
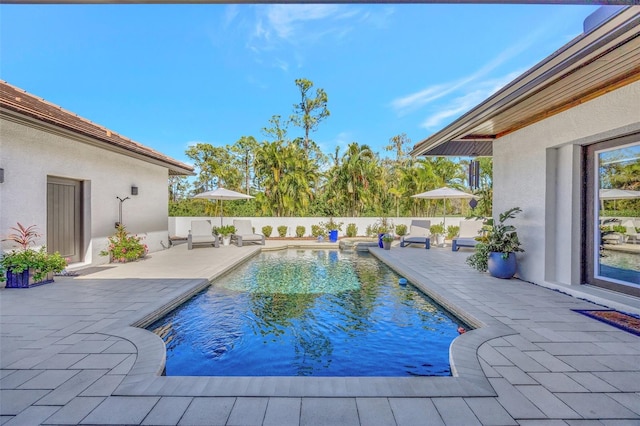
(70, 355)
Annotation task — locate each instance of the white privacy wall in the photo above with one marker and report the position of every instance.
(538, 168)
(28, 155)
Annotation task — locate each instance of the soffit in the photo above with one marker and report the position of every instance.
(591, 65)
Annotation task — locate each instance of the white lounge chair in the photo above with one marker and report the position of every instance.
(469, 230)
(631, 232)
(200, 234)
(244, 233)
(418, 234)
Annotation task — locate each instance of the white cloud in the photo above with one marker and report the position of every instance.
(462, 104)
(414, 101)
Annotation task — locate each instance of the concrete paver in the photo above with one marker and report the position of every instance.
(69, 355)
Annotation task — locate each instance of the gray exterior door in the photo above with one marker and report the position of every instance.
(64, 217)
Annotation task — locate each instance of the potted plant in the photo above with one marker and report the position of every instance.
(382, 227)
(332, 228)
(226, 231)
(498, 246)
(28, 267)
(437, 230)
(387, 239)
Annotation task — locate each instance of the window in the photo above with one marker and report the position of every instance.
(612, 249)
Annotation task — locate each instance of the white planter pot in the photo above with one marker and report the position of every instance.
(226, 240)
(440, 240)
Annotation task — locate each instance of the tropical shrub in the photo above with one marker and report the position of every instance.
(452, 231)
(331, 225)
(370, 231)
(224, 230)
(124, 247)
(300, 231)
(318, 231)
(497, 238)
(437, 229)
(39, 261)
(282, 231)
(352, 230)
(401, 230)
(267, 230)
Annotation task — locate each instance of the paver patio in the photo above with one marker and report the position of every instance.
(69, 355)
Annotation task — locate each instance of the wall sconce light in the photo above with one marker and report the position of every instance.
(1, 175)
(134, 190)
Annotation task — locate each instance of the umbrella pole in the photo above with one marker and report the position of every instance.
(221, 213)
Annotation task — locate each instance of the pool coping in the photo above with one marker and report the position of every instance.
(468, 379)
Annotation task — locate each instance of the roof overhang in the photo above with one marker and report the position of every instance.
(602, 60)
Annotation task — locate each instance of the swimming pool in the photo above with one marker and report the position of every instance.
(309, 313)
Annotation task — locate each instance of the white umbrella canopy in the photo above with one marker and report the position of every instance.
(444, 193)
(223, 194)
(618, 194)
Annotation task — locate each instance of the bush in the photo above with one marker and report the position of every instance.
(124, 247)
(318, 231)
(267, 230)
(282, 231)
(452, 231)
(370, 231)
(401, 230)
(300, 231)
(352, 230)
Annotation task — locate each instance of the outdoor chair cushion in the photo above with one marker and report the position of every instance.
(418, 234)
(200, 233)
(469, 230)
(244, 233)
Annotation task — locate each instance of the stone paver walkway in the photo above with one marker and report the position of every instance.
(69, 355)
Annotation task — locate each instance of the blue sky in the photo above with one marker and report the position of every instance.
(168, 76)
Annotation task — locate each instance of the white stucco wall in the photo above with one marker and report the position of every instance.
(538, 168)
(179, 226)
(28, 155)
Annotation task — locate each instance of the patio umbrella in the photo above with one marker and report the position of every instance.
(444, 193)
(223, 194)
(616, 194)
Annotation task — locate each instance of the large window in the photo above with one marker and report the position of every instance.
(613, 215)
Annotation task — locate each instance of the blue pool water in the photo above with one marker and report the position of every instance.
(308, 313)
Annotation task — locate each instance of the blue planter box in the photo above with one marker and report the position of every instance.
(333, 236)
(24, 279)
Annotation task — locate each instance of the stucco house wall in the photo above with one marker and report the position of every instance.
(28, 155)
(538, 168)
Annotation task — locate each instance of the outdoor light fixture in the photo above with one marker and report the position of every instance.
(1, 175)
(134, 190)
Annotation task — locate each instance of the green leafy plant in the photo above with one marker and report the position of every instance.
(282, 231)
(224, 230)
(332, 225)
(318, 231)
(267, 230)
(124, 247)
(497, 238)
(300, 230)
(38, 261)
(370, 231)
(388, 238)
(352, 230)
(452, 231)
(437, 229)
(382, 226)
(401, 230)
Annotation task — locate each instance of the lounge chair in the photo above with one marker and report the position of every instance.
(418, 234)
(200, 234)
(631, 232)
(469, 230)
(244, 233)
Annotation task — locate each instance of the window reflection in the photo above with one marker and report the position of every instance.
(618, 251)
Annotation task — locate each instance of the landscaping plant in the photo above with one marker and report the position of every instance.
(124, 247)
(282, 231)
(300, 231)
(401, 230)
(352, 230)
(267, 230)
